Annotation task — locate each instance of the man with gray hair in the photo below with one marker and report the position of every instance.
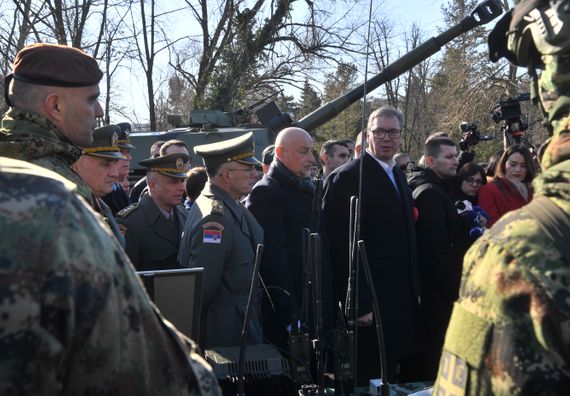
(387, 228)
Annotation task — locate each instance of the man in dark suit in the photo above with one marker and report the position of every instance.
(387, 228)
(282, 203)
(222, 236)
(152, 226)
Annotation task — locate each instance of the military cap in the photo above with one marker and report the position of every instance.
(173, 165)
(56, 65)
(105, 143)
(268, 154)
(124, 142)
(239, 149)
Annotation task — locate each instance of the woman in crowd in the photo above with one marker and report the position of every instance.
(469, 180)
(511, 186)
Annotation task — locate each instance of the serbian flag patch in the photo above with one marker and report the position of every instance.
(212, 236)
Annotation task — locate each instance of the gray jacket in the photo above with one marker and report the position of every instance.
(221, 235)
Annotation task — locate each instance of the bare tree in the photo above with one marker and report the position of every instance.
(248, 51)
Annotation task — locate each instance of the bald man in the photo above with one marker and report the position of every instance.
(281, 202)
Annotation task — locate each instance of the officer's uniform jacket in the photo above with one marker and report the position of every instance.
(221, 235)
(152, 241)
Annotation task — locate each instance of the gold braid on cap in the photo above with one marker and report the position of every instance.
(123, 141)
(171, 170)
(241, 156)
(99, 149)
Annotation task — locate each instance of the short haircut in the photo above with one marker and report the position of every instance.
(329, 146)
(525, 152)
(156, 146)
(436, 135)
(397, 156)
(433, 146)
(387, 112)
(195, 182)
(172, 142)
(213, 169)
(347, 141)
(27, 96)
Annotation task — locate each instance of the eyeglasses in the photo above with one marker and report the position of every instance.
(379, 133)
(472, 181)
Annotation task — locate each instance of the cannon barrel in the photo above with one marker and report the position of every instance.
(482, 14)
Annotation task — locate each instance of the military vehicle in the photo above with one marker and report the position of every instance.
(207, 126)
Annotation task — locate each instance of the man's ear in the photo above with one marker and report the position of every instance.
(279, 151)
(54, 107)
(428, 161)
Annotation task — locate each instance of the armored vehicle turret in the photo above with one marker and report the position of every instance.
(207, 126)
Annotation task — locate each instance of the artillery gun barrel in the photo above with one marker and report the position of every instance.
(482, 14)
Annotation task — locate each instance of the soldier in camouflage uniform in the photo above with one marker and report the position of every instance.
(74, 318)
(52, 92)
(510, 329)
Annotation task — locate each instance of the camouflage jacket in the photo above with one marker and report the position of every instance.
(31, 137)
(510, 329)
(74, 318)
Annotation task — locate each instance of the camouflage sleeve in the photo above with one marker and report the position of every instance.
(74, 317)
(509, 332)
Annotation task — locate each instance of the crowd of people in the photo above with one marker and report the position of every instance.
(464, 299)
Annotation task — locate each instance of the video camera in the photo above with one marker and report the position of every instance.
(471, 136)
(508, 109)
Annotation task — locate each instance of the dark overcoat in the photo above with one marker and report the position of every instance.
(221, 236)
(387, 228)
(282, 203)
(152, 240)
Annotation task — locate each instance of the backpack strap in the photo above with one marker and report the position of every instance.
(553, 221)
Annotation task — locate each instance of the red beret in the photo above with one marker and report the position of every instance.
(56, 65)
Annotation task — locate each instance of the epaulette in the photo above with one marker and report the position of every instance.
(217, 207)
(125, 212)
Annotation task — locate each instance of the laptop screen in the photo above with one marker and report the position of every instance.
(178, 295)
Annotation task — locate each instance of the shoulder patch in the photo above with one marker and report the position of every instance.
(217, 207)
(126, 211)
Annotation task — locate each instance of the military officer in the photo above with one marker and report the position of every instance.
(98, 168)
(152, 226)
(118, 199)
(221, 235)
(52, 93)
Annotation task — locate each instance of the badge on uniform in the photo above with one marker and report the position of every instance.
(212, 236)
(452, 378)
